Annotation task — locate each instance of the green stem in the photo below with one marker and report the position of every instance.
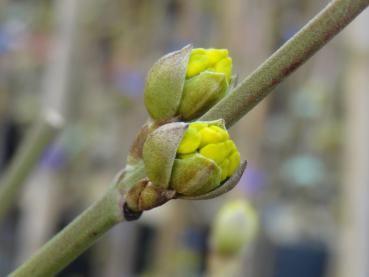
(82, 232)
(74, 239)
(329, 22)
(105, 213)
(38, 138)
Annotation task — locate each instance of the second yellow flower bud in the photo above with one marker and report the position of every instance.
(212, 142)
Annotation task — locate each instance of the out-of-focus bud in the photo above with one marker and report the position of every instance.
(234, 228)
(186, 83)
(191, 159)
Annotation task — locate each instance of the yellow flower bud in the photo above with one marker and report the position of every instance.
(216, 60)
(185, 161)
(234, 162)
(211, 135)
(224, 66)
(199, 125)
(221, 132)
(190, 141)
(225, 168)
(200, 93)
(187, 83)
(194, 175)
(212, 142)
(216, 55)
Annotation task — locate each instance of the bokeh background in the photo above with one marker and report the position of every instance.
(306, 144)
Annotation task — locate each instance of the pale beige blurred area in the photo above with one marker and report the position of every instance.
(306, 144)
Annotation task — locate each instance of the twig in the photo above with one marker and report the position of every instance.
(323, 27)
(85, 229)
(55, 97)
(82, 232)
(26, 158)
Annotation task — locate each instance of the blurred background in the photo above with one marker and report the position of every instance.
(306, 144)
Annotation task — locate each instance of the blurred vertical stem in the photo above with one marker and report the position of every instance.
(41, 189)
(54, 97)
(91, 224)
(27, 156)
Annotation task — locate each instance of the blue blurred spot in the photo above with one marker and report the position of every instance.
(303, 170)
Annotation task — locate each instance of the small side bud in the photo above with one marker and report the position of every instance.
(154, 196)
(144, 196)
(133, 195)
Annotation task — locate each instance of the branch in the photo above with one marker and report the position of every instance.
(323, 27)
(82, 232)
(38, 138)
(55, 97)
(105, 213)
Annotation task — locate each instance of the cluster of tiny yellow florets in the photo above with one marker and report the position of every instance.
(212, 142)
(214, 60)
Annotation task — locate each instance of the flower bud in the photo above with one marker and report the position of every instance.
(164, 84)
(186, 83)
(213, 60)
(200, 93)
(191, 159)
(235, 226)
